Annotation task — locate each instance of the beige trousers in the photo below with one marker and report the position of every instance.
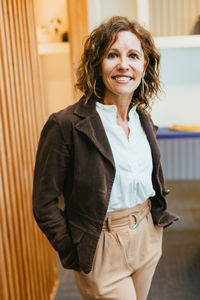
(125, 258)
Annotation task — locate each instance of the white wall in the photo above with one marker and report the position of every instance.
(55, 68)
(124, 8)
(180, 74)
(100, 10)
(56, 75)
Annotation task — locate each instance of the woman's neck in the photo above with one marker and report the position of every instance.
(122, 104)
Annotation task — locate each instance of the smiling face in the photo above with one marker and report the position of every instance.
(123, 66)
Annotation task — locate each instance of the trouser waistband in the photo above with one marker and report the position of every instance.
(128, 217)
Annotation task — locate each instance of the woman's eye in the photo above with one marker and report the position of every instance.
(112, 55)
(133, 55)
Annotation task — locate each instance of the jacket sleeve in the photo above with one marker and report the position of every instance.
(52, 162)
(167, 217)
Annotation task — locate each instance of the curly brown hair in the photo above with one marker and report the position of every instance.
(89, 80)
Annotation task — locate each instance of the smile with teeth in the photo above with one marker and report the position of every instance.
(122, 78)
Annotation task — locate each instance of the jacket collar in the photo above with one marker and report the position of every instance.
(85, 110)
(91, 125)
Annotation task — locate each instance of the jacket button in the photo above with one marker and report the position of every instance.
(166, 192)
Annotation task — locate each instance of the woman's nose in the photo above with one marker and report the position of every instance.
(123, 63)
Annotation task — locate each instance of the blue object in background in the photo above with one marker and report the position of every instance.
(166, 133)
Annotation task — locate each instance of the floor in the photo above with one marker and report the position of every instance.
(178, 274)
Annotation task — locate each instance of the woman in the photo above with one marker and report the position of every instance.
(101, 154)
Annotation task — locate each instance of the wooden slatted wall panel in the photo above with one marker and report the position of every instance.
(173, 17)
(28, 263)
(78, 31)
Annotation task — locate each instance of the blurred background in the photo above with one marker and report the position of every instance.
(41, 43)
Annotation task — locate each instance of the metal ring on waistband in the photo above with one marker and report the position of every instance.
(137, 218)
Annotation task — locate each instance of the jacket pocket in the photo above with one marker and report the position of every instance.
(69, 258)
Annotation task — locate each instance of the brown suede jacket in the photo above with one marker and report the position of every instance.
(74, 159)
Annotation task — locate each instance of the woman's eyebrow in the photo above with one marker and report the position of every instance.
(131, 50)
(113, 49)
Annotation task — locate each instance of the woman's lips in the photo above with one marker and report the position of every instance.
(122, 79)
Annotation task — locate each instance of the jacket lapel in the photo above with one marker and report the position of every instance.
(90, 124)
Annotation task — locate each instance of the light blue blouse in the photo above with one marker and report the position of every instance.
(132, 156)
